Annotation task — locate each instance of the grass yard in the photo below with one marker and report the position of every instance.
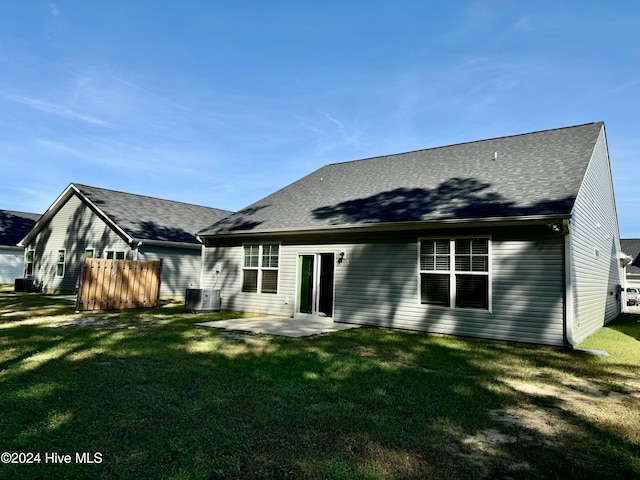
(145, 394)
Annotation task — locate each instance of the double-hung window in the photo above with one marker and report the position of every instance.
(260, 268)
(29, 262)
(455, 272)
(60, 264)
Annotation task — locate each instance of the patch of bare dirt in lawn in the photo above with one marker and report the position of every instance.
(578, 393)
(105, 322)
(541, 417)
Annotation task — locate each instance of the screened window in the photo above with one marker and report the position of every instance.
(89, 253)
(29, 261)
(260, 268)
(60, 264)
(455, 272)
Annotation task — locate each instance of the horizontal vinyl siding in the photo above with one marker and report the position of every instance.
(180, 268)
(594, 226)
(633, 281)
(528, 287)
(11, 265)
(377, 284)
(73, 228)
(229, 282)
(380, 287)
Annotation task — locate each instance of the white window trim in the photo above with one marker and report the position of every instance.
(452, 272)
(90, 249)
(33, 262)
(115, 252)
(260, 268)
(63, 263)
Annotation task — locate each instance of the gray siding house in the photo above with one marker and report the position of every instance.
(13, 226)
(631, 246)
(87, 221)
(512, 238)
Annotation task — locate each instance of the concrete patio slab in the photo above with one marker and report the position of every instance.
(70, 298)
(284, 326)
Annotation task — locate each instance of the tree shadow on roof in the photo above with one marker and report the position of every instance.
(14, 226)
(239, 221)
(153, 231)
(462, 198)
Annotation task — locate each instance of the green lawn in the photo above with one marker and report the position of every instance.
(149, 395)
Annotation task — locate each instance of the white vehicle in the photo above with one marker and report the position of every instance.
(633, 296)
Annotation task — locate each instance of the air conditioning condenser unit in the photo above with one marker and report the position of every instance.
(199, 300)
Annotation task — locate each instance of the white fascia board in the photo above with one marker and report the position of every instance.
(391, 226)
(46, 216)
(166, 243)
(57, 205)
(114, 226)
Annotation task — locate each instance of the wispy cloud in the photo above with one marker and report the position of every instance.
(166, 100)
(330, 133)
(53, 109)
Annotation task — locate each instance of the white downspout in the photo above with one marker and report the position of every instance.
(203, 250)
(569, 320)
(135, 252)
(625, 260)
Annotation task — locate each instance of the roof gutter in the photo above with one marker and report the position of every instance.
(394, 226)
(17, 248)
(625, 259)
(165, 243)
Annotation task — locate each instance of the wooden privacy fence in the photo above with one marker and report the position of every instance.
(116, 284)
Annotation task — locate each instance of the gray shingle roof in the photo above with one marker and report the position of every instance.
(534, 174)
(149, 218)
(631, 246)
(15, 225)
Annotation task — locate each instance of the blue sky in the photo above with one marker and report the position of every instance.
(221, 103)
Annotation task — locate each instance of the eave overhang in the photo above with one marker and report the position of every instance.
(555, 223)
(166, 243)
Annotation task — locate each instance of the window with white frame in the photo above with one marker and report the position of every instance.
(115, 255)
(454, 272)
(89, 253)
(60, 263)
(260, 268)
(29, 262)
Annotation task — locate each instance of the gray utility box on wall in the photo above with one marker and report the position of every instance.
(199, 300)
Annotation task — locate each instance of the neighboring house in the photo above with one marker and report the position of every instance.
(631, 246)
(87, 221)
(13, 226)
(512, 238)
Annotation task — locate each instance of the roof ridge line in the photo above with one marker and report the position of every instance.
(147, 196)
(463, 143)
